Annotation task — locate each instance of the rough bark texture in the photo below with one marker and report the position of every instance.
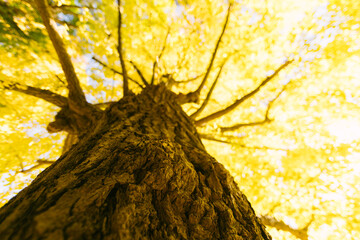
(142, 173)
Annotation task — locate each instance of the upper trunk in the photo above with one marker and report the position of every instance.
(142, 173)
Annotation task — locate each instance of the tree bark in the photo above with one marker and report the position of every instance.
(142, 173)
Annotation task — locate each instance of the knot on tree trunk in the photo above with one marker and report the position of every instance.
(75, 123)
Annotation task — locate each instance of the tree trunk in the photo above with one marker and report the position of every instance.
(141, 173)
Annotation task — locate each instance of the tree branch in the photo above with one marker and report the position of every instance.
(119, 49)
(140, 74)
(215, 51)
(241, 100)
(46, 95)
(70, 6)
(203, 105)
(76, 95)
(177, 82)
(266, 118)
(194, 96)
(211, 137)
(116, 71)
(281, 225)
(240, 125)
(159, 57)
(171, 81)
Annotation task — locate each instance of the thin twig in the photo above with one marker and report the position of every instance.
(120, 51)
(203, 105)
(194, 96)
(188, 80)
(214, 52)
(139, 73)
(116, 71)
(211, 137)
(265, 120)
(46, 95)
(240, 125)
(70, 6)
(171, 81)
(60, 80)
(159, 57)
(242, 99)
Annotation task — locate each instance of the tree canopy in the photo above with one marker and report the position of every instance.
(290, 138)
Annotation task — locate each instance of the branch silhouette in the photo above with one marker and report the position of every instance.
(203, 105)
(241, 100)
(215, 51)
(194, 96)
(120, 51)
(265, 120)
(46, 95)
(140, 74)
(157, 59)
(76, 94)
